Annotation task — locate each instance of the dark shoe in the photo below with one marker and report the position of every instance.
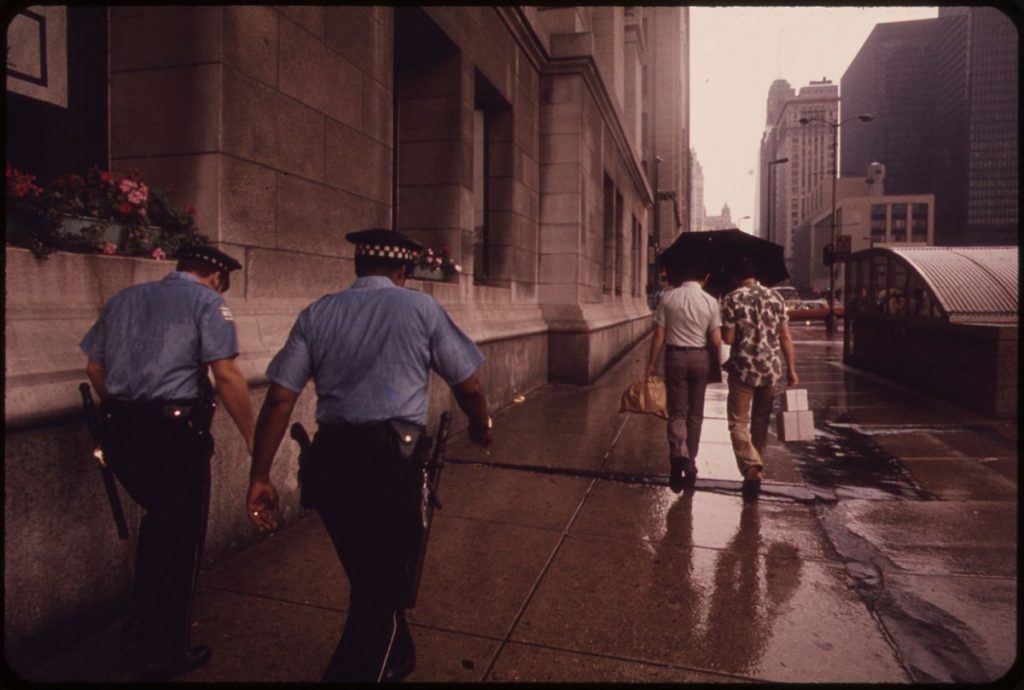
(399, 670)
(676, 466)
(675, 474)
(691, 471)
(750, 491)
(166, 668)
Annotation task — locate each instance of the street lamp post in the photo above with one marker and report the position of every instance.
(830, 319)
(738, 220)
(771, 193)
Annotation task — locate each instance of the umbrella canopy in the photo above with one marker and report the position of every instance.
(715, 250)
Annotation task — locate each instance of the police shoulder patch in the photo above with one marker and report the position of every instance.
(226, 313)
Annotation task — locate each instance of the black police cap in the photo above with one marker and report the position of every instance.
(379, 243)
(209, 255)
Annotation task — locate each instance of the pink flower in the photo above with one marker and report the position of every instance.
(127, 185)
(109, 247)
(124, 207)
(106, 176)
(158, 254)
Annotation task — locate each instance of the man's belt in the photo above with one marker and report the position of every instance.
(172, 409)
(684, 348)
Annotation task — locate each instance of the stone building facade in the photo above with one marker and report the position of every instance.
(513, 136)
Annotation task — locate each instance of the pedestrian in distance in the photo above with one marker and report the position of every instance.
(755, 325)
(147, 359)
(686, 321)
(369, 350)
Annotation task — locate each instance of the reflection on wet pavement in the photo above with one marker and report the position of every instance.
(851, 465)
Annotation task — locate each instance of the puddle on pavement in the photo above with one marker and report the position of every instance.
(850, 464)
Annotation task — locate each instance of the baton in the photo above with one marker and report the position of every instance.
(92, 421)
(431, 480)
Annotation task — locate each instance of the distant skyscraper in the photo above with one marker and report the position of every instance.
(778, 93)
(945, 96)
(720, 222)
(696, 193)
(800, 187)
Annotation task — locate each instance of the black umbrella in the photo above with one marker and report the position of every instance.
(715, 250)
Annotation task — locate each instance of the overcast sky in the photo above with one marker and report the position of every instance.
(735, 55)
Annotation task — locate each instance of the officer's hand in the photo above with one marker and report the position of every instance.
(262, 504)
(792, 378)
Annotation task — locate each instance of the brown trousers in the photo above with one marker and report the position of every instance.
(686, 378)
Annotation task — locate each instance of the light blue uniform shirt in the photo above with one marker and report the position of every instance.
(153, 338)
(369, 350)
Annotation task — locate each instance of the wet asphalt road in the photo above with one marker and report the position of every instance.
(883, 551)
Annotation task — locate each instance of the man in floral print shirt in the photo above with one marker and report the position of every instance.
(754, 323)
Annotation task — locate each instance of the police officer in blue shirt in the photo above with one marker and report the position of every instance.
(147, 359)
(369, 350)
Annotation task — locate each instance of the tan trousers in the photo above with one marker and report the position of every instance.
(749, 409)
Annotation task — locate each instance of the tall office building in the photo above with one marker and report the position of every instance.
(893, 79)
(977, 196)
(944, 94)
(800, 184)
(696, 193)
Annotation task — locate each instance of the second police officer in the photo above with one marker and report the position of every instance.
(369, 350)
(147, 359)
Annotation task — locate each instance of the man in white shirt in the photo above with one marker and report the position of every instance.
(687, 321)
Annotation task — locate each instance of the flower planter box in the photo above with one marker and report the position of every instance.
(428, 274)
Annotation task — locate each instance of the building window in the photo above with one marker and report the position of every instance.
(919, 223)
(899, 222)
(481, 229)
(638, 248)
(493, 229)
(608, 243)
(877, 223)
(55, 128)
(619, 232)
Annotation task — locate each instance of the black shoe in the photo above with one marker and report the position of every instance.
(398, 670)
(691, 471)
(166, 668)
(675, 473)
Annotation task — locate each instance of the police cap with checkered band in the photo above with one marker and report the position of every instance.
(387, 245)
(208, 255)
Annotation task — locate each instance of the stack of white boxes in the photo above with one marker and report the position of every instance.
(796, 423)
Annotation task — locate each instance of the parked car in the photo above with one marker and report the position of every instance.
(811, 310)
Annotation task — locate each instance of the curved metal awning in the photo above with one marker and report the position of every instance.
(971, 284)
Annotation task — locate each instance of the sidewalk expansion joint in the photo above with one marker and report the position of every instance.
(793, 492)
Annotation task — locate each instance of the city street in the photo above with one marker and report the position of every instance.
(883, 551)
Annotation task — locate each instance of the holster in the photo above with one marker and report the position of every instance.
(394, 439)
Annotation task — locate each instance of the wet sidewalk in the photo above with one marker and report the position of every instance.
(883, 551)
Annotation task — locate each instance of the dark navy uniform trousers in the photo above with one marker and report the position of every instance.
(163, 462)
(369, 501)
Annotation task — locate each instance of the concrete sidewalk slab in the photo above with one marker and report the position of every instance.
(478, 573)
(509, 496)
(709, 610)
(524, 663)
(938, 537)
